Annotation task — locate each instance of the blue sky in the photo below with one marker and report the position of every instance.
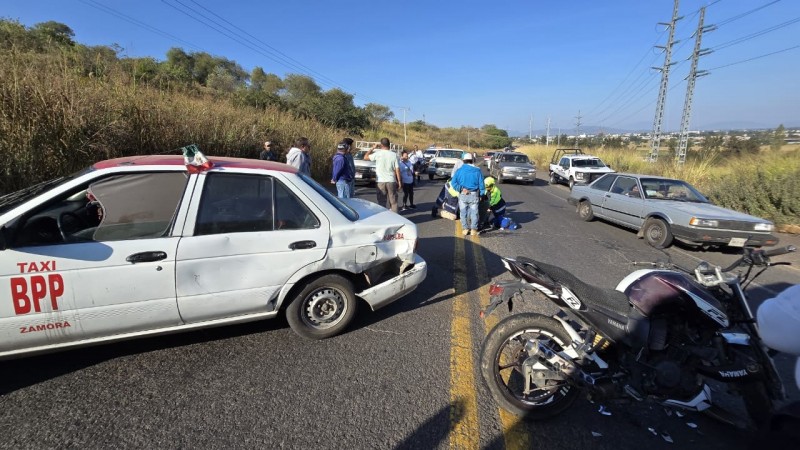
(472, 63)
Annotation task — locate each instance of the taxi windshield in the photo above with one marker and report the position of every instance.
(346, 211)
(13, 199)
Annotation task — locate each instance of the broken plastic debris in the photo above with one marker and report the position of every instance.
(596, 434)
(652, 430)
(604, 411)
(679, 414)
(667, 437)
(691, 425)
(668, 411)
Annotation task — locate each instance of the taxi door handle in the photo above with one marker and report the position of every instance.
(146, 257)
(302, 245)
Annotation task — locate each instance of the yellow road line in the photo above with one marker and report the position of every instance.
(464, 428)
(514, 433)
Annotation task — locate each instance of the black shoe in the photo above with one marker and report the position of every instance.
(434, 212)
(413, 206)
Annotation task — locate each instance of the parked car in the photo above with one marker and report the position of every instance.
(142, 246)
(572, 166)
(441, 165)
(513, 166)
(661, 209)
(487, 157)
(365, 169)
(429, 153)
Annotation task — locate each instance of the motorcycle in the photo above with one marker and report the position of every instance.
(658, 336)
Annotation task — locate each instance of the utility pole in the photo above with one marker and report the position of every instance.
(405, 135)
(690, 80)
(578, 125)
(655, 143)
(558, 143)
(547, 138)
(530, 129)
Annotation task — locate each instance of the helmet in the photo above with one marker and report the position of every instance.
(489, 181)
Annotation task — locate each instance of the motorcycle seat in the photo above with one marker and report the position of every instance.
(610, 299)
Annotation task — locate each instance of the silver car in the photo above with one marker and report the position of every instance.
(662, 209)
(514, 166)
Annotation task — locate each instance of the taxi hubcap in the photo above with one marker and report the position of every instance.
(324, 307)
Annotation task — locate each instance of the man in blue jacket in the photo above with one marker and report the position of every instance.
(342, 173)
(468, 182)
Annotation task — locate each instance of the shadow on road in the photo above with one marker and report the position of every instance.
(436, 429)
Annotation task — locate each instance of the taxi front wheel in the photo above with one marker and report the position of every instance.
(324, 308)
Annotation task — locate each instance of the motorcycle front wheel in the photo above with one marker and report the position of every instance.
(502, 356)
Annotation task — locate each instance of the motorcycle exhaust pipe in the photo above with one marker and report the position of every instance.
(554, 361)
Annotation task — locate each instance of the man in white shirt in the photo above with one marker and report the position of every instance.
(387, 171)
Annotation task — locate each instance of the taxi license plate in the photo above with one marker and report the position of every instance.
(737, 242)
(359, 175)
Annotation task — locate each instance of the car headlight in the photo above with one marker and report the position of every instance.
(764, 227)
(579, 175)
(705, 223)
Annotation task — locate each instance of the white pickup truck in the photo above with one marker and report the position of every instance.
(572, 166)
(365, 169)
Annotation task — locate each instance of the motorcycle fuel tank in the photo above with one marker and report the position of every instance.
(658, 292)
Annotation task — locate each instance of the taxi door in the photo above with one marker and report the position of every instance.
(244, 238)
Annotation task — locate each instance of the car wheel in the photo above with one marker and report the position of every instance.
(657, 233)
(553, 178)
(324, 308)
(571, 183)
(430, 176)
(585, 211)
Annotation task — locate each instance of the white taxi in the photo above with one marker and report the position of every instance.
(143, 245)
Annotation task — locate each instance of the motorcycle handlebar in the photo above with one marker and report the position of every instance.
(780, 251)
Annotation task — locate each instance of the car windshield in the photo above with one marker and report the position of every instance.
(593, 162)
(515, 158)
(346, 211)
(449, 153)
(11, 200)
(430, 152)
(676, 190)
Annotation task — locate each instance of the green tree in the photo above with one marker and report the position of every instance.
(494, 137)
(377, 114)
(52, 33)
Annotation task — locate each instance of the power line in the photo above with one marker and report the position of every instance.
(737, 17)
(756, 34)
(755, 57)
(138, 23)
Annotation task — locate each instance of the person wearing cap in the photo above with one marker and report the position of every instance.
(496, 203)
(468, 182)
(342, 174)
(387, 171)
(268, 154)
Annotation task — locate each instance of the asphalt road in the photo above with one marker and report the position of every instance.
(402, 377)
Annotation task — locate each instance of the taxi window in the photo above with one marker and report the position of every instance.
(241, 203)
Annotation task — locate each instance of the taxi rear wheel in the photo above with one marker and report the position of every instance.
(323, 309)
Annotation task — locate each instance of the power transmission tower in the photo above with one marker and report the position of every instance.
(578, 126)
(655, 143)
(547, 138)
(690, 80)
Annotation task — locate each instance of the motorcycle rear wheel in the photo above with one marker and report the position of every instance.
(501, 367)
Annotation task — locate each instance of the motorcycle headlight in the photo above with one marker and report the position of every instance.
(705, 223)
(764, 227)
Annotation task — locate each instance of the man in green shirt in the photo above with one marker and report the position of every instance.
(387, 171)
